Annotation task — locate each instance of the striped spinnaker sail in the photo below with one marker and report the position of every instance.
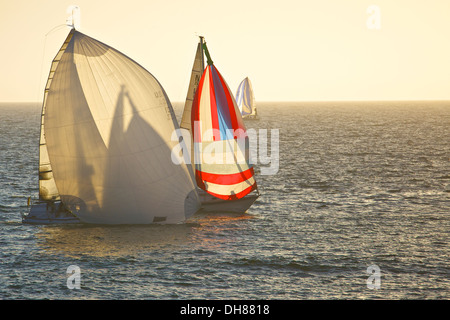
(222, 166)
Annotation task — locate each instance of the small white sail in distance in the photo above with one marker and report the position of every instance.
(245, 98)
(108, 124)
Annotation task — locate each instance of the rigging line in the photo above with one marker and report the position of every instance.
(43, 57)
(55, 28)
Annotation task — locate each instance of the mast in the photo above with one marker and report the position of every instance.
(202, 41)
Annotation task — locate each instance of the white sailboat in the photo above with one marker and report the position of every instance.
(237, 189)
(245, 100)
(105, 147)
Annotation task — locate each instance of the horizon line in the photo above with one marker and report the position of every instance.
(291, 101)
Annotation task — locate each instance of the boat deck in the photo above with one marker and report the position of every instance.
(49, 212)
(210, 203)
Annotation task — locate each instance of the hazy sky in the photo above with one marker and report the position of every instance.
(292, 50)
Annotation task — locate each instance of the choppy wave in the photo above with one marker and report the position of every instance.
(359, 184)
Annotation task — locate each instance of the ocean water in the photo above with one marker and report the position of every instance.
(360, 185)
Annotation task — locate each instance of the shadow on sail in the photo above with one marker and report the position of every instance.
(134, 152)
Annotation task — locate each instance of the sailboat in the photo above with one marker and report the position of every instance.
(105, 147)
(245, 100)
(227, 184)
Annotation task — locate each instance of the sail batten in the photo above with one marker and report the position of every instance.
(108, 124)
(47, 186)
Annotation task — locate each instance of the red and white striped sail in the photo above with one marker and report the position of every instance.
(222, 165)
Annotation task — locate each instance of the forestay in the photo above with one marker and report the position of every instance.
(108, 126)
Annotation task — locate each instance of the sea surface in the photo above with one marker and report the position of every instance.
(359, 208)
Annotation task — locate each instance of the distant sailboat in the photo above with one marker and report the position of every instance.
(245, 100)
(210, 107)
(105, 147)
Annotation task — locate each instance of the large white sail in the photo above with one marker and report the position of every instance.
(245, 98)
(108, 126)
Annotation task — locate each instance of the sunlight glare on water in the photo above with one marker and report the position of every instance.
(359, 184)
